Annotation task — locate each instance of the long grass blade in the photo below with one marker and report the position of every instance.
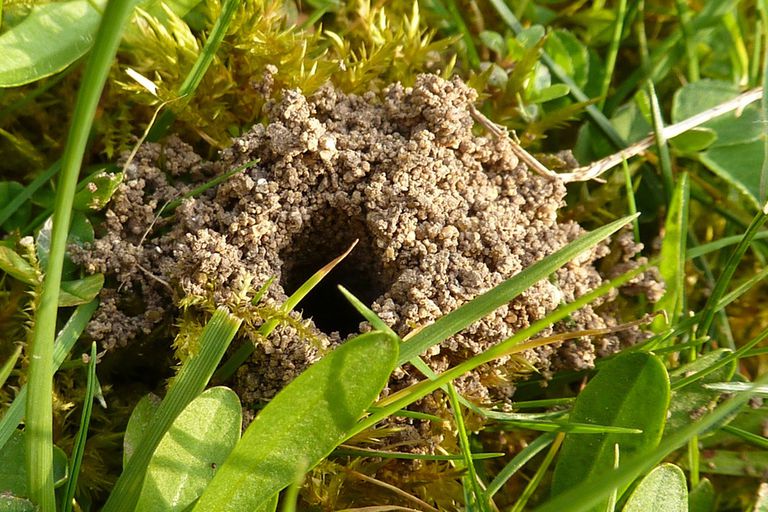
(486, 303)
(78, 448)
(39, 441)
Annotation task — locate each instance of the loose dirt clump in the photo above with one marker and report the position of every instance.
(441, 215)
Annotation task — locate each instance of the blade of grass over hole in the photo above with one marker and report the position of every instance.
(710, 308)
(470, 481)
(39, 417)
(10, 208)
(78, 449)
(519, 505)
(631, 390)
(517, 462)
(302, 424)
(631, 202)
(9, 365)
(170, 207)
(243, 353)
(486, 303)
(568, 427)
(403, 398)
(672, 258)
(586, 495)
(190, 381)
(405, 413)
(66, 339)
(199, 68)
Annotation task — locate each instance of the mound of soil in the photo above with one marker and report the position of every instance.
(441, 215)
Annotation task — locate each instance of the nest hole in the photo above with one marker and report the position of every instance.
(361, 272)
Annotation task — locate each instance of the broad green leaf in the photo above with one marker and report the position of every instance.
(484, 304)
(19, 219)
(632, 391)
(736, 155)
(494, 42)
(10, 503)
(672, 258)
(739, 165)
(197, 443)
(141, 416)
(302, 424)
(51, 38)
(663, 490)
(80, 291)
(97, 191)
(16, 266)
(691, 401)
(702, 497)
(13, 472)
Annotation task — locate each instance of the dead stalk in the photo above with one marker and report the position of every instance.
(595, 169)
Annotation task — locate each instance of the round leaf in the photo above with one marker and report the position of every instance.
(663, 490)
(197, 443)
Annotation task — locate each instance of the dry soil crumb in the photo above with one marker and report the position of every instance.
(441, 214)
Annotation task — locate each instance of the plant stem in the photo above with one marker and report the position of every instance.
(39, 441)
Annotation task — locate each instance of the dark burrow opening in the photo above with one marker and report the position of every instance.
(361, 272)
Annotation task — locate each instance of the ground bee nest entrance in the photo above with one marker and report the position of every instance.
(442, 215)
(361, 272)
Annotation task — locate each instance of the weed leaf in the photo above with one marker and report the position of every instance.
(629, 391)
(13, 473)
(702, 497)
(28, 54)
(197, 443)
(664, 489)
(80, 291)
(17, 267)
(302, 424)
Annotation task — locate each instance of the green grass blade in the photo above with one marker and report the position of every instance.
(302, 424)
(517, 462)
(661, 141)
(710, 308)
(188, 384)
(9, 365)
(471, 485)
(10, 208)
(511, 344)
(82, 434)
(66, 339)
(367, 452)
(538, 476)
(200, 67)
(39, 442)
(684, 14)
(763, 190)
(486, 303)
(673, 250)
(613, 50)
(586, 495)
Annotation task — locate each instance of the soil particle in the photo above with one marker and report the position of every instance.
(441, 214)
